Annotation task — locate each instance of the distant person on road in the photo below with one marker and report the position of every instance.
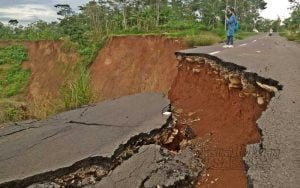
(271, 32)
(231, 23)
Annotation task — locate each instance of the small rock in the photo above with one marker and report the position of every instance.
(260, 100)
(189, 60)
(267, 87)
(195, 120)
(179, 57)
(195, 70)
(167, 113)
(178, 111)
(175, 132)
(236, 86)
(183, 143)
(92, 180)
(235, 79)
(202, 61)
(191, 113)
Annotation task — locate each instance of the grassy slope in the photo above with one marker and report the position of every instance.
(291, 36)
(13, 82)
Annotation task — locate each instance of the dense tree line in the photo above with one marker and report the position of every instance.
(103, 17)
(293, 22)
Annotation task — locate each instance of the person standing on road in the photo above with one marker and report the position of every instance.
(231, 23)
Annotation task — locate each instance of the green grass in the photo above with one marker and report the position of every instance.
(77, 92)
(204, 39)
(291, 36)
(13, 81)
(243, 35)
(14, 54)
(11, 112)
(13, 78)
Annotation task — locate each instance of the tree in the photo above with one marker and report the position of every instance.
(13, 22)
(293, 22)
(211, 12)
(64, 10)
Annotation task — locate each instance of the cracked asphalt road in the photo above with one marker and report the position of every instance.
(31, 148)
(276, 161)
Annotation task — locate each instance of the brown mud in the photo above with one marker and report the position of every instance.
(135, 64)
(222, 112)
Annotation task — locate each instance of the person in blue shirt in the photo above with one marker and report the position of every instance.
(231, 25)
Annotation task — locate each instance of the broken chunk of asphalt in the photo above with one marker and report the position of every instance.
(93, 135)
(155, 167)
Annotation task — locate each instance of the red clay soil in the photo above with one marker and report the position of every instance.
(50, 67)
(224, 123)
(135, 64)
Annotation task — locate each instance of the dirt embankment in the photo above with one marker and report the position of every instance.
(135, 64)
(50, 67)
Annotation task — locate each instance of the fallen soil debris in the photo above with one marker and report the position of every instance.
(221, 104)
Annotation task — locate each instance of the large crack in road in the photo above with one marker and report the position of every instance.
(221, 102)
(111, 135)
(129, 142)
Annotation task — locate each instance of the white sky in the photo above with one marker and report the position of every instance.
(27, 11)
(276, 8)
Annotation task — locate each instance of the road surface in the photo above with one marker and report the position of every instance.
(277, 164)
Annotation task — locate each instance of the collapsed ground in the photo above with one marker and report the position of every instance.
(215, 105)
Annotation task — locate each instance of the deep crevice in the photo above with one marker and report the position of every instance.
(194, 62)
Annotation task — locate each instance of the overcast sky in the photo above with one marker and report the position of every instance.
(27, 11)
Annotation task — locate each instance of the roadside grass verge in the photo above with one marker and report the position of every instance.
(195, 34)
(12, 111)
(243, 35)
(291, 36)
(204, 39)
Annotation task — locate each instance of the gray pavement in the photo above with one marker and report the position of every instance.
(154, 167)
(275, 162)
(31, 148)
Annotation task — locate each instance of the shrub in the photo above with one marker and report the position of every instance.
(202, 40)
(78, 92)
(68, 46)
(11, 113)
